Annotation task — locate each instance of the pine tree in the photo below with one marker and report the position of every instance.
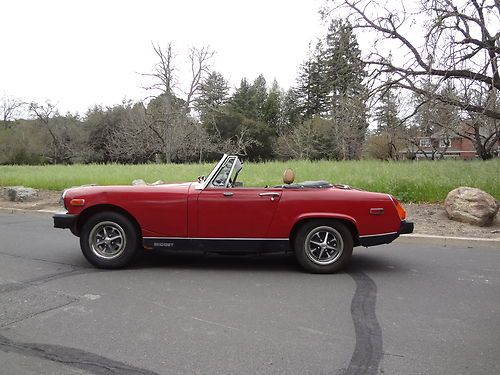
(389, 127)
(213, 93)
(311, 90)
(346, 92)
(272, 106)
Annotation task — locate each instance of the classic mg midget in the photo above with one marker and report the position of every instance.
(318, 221)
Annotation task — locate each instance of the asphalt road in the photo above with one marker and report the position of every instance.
(398, 309)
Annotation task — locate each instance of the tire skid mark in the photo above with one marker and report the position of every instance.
(368, 351)
(18, 285)
(39, 260)
(35, 314)
(76, 358)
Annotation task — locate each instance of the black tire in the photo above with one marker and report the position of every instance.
(323, 246)
(109, 240)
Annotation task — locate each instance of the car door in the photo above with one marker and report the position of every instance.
(236, 212)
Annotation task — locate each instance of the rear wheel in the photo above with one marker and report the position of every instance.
(109, 240)
(323, 246)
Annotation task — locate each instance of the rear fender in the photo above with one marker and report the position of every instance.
(348, 220)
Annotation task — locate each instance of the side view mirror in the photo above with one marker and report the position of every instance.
(201, 179)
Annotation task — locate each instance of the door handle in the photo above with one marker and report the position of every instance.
(272, 195)
(228, 194)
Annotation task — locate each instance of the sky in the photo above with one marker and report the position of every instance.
(81, 53)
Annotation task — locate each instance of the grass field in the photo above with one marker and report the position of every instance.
(423, 181)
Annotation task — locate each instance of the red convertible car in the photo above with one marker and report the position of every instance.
(318, 221)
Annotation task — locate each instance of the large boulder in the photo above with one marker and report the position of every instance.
(471, 205)
(21, 194)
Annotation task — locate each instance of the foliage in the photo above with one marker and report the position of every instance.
(460, 50)
(453, 77)
(330, 86)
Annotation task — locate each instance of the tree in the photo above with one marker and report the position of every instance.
(272, 106)
(214, 92)
(48, 116)
(199, 58)
(117, 134)
(312, 139)
(289, 114)
(330, 86)
(389, 129)
(435, 119)
(462, 47)
(249, 100)
(311, 89)
(9, 108)
(168, 116)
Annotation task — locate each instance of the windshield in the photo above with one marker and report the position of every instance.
(227, 174)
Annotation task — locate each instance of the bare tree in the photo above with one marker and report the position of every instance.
(461, 46)
(198, 58)
(60, 141)
(163, 74)
(167, 115)
(298, 143)
(9, 108)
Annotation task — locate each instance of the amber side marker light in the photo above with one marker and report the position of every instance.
(400, 209)
(77, 202)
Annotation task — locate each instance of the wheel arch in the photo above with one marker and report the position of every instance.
(348, 222)
(90, 211)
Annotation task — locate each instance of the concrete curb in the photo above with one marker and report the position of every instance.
(414, 238)
(446, 241)
(26, 210)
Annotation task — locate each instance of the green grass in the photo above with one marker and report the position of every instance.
(423, 181)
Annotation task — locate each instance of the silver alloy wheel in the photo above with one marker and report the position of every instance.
(324, 245)
(107, 240)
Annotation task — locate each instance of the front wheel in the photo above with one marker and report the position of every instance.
(109, 240)
(323, 246)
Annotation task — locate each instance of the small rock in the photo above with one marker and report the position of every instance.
(471, 205)
(138, 182)
(21, 194)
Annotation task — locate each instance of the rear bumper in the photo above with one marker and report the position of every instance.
(379, 239)
(406, 227)
(65, 221)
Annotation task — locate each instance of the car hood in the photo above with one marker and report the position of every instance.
(82, 191)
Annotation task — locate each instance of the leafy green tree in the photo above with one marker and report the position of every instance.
(258, 99)
(390, 130)
(272, 106)
(242, 101)
(330, 86)
(289, 115)
(312, 89)
(214, 92)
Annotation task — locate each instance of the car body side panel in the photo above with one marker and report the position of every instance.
(236, 212)
(160, 210)
(352, 205)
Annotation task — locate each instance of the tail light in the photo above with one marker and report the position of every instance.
(399, 208)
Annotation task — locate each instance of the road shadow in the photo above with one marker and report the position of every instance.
(199, 261)
(275, 262)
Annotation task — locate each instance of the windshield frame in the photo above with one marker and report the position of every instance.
(207, 182)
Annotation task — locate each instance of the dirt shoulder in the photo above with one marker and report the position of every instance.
(428, 218)
(431, 219)
(46, 200)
